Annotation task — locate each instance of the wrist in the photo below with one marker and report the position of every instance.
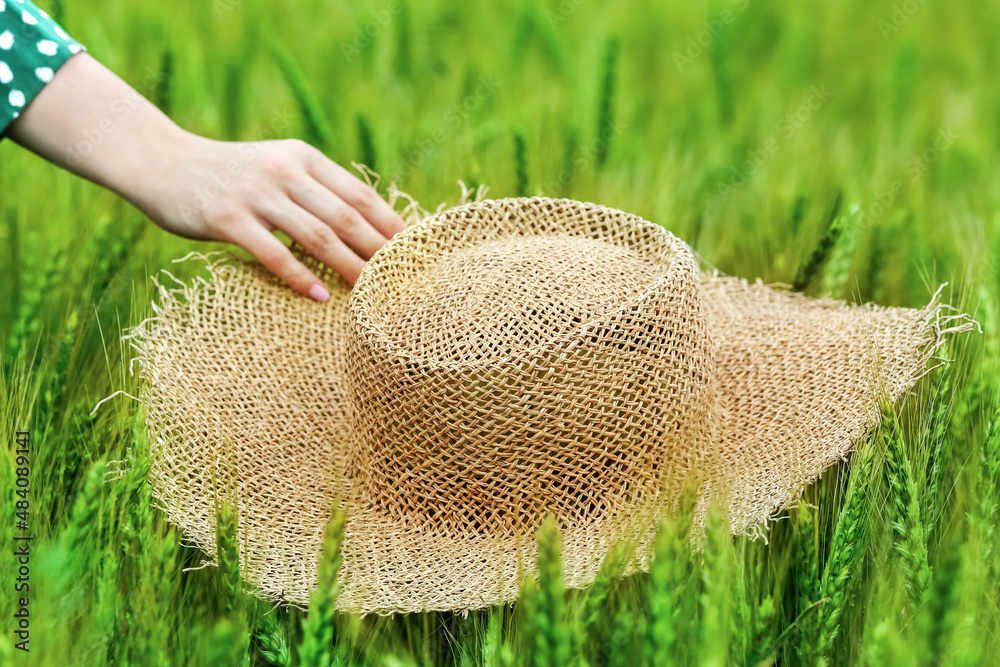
(140, 170)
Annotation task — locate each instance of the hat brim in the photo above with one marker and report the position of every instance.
(801, 381)
(210, 434)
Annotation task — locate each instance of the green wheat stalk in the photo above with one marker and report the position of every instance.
(317, 124)
(114, 249)
(491, 647)
(846, 551)
(941, 613)
(668, 584)
(595, 600)
(908, 528)
(404, 49)
(743, 586)
(807, 581)
(623, 630)
(876, 643)
(836, 277)
(16, 267)
(568, 173)
(721, 60)
(764, 643)
(605, 105)
(225, 642)
(273, 641)
(520, 164)
(366, 142)
(877, 260)
(985, 517)
(317, 630)
(164, 86)
(232, 99)
(938, 433)
(552, 638)
(814, 264)
(28, 321)
(164, 583)
(83, 523)
(798, 214)
(57, 381)
(228, 555)
(716, 605)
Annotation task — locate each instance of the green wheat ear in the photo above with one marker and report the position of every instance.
(273, 641)
(366, 142)
(521, 164)
(317, 630)
(225, 643)
(83, 521)
(594, 604)
(807, 581)
(605, 106)
(228, 553)
(715, 602)
(527, 621)
(404, 50)
(989, 474)
(57, 384)
(847, 550)
(937, 446)
(571, 143)
(28, 322)
(669, 583)
(836, 278)
(813, 266)
(909, 539)
(164, 87)
(317, 123)
(552, 638)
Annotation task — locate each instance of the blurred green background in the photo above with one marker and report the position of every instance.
(753, 130)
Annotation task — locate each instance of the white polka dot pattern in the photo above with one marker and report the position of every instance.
(32, 49)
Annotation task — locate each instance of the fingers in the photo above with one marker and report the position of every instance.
(318, 238)
(278, 259)
(357, 194)
(345, 220)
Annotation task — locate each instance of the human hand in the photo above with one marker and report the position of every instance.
(236, 192)
(241, 192)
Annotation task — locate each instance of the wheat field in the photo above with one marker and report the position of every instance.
(845, 148)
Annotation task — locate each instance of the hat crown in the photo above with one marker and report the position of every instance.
(489, 302)
(529, 356)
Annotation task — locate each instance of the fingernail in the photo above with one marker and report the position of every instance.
(319, 293)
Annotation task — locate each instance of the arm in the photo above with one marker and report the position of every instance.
(91, 122)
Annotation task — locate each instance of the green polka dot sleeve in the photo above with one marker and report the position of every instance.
(32, 49)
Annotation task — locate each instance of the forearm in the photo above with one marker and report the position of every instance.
(89, 121)
(111, 135)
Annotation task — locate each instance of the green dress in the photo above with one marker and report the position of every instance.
(32, 49)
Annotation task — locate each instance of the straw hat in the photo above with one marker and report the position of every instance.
(498, 361)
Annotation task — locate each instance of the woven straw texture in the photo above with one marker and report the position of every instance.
(495, 362)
